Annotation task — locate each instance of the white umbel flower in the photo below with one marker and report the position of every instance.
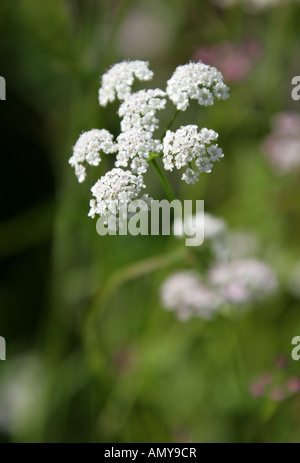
(116, 188)
(190, 176)
(139, 109)
(185, 145)
(187, 296)
(196, 81)
(136, 145)
(244, 281)
(118, 80)
(87, 150)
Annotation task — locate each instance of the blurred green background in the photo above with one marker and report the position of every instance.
(91, 354)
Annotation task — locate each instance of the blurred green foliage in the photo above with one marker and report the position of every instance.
(85, 331)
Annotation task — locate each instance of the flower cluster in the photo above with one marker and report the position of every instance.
(243, 281)
(186, 145)
(118, 81)
(136, 146)
(231, 282)
(136, 141)
(186, 295)
(138, 110)
(196, 81)
(116, 188)
(87, 150)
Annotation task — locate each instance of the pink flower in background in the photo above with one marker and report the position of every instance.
(266, 379)
(293, 384)
(235, 61)
(287, 123)
(256, 390)
(282, 146)
(281, 362)
(275, 385)
(277, 394)
(258, 387)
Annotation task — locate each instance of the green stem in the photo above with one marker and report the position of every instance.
(93, 348)
(152, 160)
(167, 187)
(153, 155)
(170, 123)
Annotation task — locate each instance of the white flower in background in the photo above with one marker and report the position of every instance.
(136, 145)
(236, 283)
(284, 155)
(118, 80)
(139, 109)
(116, 188)
(146, 32)
(21, 389)
(185, 145)
(244, 281)
(187, 296)
(241, 244)
(213, 227)
(234, 245)
(87, 150)
(196, 81)
(282, 146)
